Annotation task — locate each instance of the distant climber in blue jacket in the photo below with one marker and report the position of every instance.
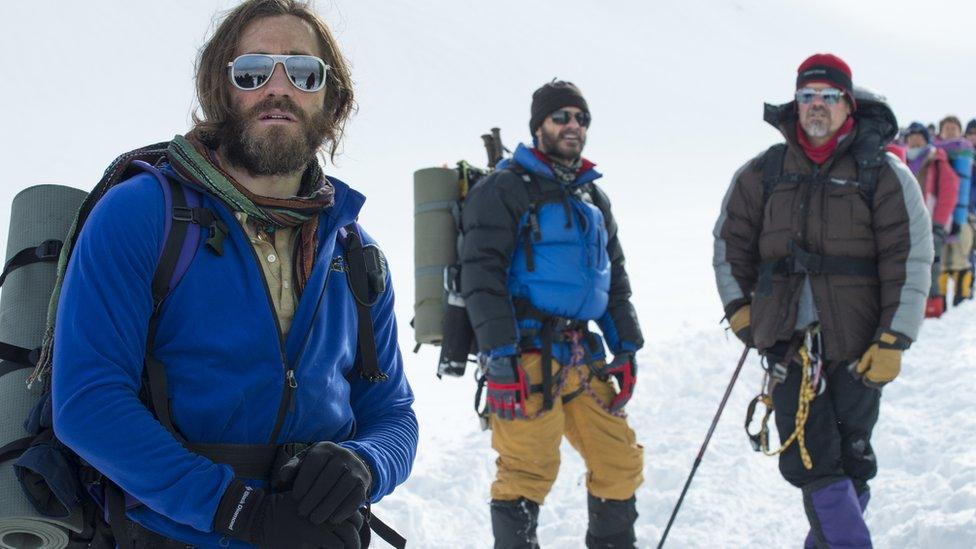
(263, 402)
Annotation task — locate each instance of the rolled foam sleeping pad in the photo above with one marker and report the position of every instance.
(39, 213)
(435, 192)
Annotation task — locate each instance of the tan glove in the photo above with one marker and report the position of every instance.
(739, 322)
(881, 363)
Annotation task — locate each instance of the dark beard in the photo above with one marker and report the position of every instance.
(550, 146)
(277, 151)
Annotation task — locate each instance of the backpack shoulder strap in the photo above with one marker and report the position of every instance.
(867, 178)
(772, 169)
(181, 239)
(182, 230)
(366, 273)
(181, 234)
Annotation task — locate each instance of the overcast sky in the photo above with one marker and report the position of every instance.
(676, 90)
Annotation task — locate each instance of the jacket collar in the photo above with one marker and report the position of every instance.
(524, 157)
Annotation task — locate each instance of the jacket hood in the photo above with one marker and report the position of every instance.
(876, 124)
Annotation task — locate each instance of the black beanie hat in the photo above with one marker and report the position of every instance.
(551, 97)
(971, 126)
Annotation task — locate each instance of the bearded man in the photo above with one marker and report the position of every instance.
(268, 430)
(823, 255)
(541, 258)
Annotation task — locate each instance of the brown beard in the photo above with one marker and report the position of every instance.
(277, 151)
(550, 146)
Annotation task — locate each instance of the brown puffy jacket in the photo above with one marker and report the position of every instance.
(826, 213)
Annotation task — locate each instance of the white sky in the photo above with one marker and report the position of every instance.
(676, 91)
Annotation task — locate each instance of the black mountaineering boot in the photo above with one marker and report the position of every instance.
(514, 523)
(611, 523)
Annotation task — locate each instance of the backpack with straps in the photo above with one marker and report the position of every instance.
(801, 261)
(74, 485)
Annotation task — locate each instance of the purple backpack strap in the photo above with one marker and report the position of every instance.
(181, 234)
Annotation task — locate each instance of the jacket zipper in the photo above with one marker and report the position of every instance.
(290, 382)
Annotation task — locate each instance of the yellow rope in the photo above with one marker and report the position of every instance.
(807, 394)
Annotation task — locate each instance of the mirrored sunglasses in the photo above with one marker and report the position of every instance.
(253, 70)
(830, 96)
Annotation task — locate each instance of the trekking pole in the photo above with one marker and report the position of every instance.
(718, 414)
(489, 148)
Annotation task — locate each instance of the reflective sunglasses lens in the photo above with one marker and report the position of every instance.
(251, 71)
(583, 118)
(831, 97)
(560, 117)
(307, 73)
(805, 97)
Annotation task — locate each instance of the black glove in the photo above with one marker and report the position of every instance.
(272, 521)
(956, 227)
(329, 483)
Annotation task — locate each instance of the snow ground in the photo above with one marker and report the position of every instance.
(924, 495)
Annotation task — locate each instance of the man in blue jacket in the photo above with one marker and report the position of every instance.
(259, 337)
(540, 260)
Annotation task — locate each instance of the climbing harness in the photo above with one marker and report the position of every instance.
(812, 384)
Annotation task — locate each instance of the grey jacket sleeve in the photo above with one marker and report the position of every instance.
(736, 246)
(903, 235)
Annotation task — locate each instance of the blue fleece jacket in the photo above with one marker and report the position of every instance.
(225, 360)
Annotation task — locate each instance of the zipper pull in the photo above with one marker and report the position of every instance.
(292, 385)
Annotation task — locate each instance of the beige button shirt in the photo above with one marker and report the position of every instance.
(275, 254)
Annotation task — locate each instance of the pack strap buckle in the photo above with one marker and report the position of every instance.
(182, 213)
(803, 261)
(207, 220)
(49, 249)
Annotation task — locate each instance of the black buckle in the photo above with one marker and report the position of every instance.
(49, 249)
(805, 262)
(181, 213)
(374, 378)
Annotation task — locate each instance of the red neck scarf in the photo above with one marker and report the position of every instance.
(820, 154)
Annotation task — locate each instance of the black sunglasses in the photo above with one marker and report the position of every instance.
(562, 117)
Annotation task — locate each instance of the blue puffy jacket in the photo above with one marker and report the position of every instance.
(577, 269)
(225, 361)
(571, 273)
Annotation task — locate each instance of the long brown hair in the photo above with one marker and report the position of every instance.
(213, 85)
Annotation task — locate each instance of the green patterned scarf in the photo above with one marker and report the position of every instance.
(193, 160)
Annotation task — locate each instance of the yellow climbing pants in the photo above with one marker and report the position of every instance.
(528, 449)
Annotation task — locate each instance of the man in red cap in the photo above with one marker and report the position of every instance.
(823, 250)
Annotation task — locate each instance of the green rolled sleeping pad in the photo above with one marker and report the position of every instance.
(38, 214)
(435, 194)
